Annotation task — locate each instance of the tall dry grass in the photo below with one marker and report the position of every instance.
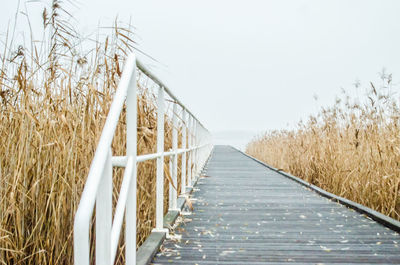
(55, 98)
(351, 149)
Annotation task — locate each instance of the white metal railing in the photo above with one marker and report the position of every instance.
(98, 187)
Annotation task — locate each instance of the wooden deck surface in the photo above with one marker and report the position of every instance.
(245, 213)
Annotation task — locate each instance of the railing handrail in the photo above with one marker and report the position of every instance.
(169, 92)
(100, 172)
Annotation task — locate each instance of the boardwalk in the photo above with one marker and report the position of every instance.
(246, 213)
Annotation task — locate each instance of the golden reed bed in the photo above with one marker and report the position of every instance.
(55, 97)
(351, 149)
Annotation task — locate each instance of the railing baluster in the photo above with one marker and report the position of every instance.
(170, 190)
(196, 152)
(160, 161)
(131, 151)
(174, 176)
(201, 149)
(103, 215)
(190, 153)
(121, 207)
(183, 167)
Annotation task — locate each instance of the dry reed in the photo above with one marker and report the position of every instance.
(54, 101)
(350, 149)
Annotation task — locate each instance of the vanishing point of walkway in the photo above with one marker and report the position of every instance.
(245, 213)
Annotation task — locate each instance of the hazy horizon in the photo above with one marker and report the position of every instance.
(247, 66)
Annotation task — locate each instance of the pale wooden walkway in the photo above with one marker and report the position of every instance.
(246, 213)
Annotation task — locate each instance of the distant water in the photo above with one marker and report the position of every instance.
(236, 138)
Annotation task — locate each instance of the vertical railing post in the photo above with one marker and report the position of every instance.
(173, 203)
(131, 151)
(104, 214)
(160, 161)
(170, 190)
(192, 158)
(196, 153)
(204, 141)
(199, 142)
(194, 150)
(200, 149)
(183, 167)
(189, 164)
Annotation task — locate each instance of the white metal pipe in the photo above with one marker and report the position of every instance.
(160, 160)
(174, 195)
(194, 143)
(189, 171)
(170, 188)
(196, 152)
(120, 209)
(104, 215)
(183, 166)
(120, 161)
(200, 152)
(131, 151)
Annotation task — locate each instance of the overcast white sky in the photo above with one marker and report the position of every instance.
(254, 65)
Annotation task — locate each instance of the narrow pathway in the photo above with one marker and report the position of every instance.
(245, 213)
